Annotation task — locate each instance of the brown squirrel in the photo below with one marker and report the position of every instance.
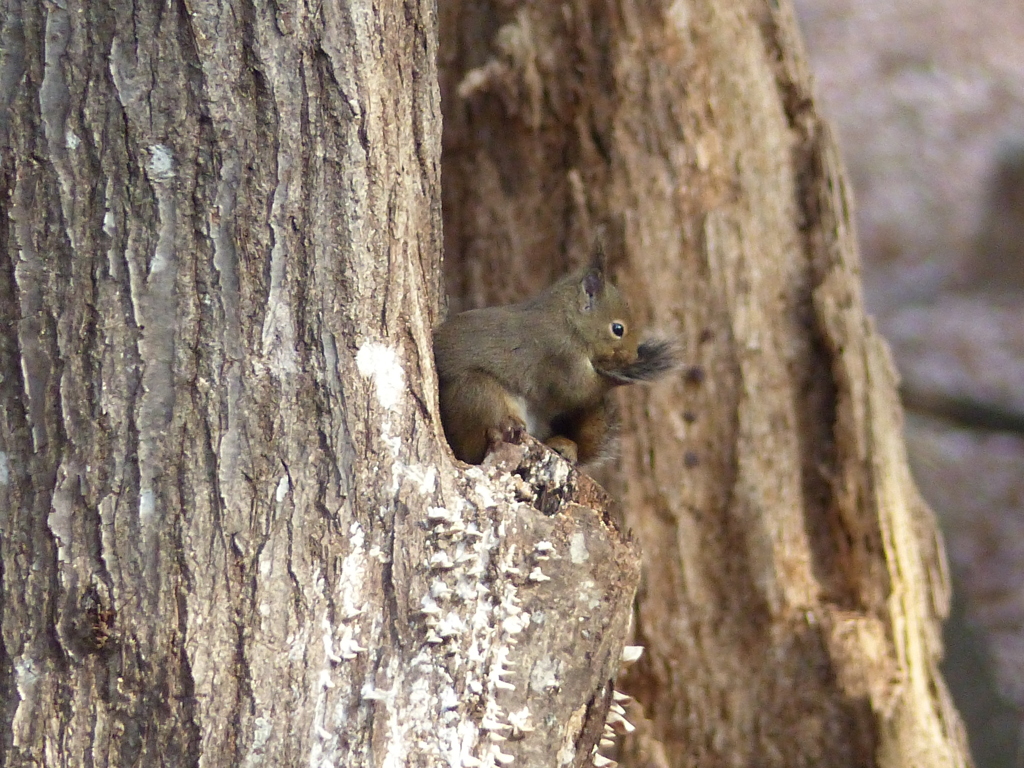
(546, 366)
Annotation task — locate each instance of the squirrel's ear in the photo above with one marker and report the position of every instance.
(593, 279)
(593, 287)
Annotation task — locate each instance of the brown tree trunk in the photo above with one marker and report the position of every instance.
(794, 582)
(232, 532)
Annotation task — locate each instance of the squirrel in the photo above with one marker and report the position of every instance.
(545, 366)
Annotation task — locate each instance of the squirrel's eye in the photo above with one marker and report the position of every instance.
(618, 329)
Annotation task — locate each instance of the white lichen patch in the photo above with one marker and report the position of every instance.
(266, 563)
(500, 667)
(590, 594)
(440, 590)
(546, 675)
(631, 653)
(542, 550)
(429, 606)
(558, 473)
(486, 498)
(379, 363)
(26, 675)
(520, 722)
(61, 509)
(262, 731)
(578, 552)
(537, 575)
(424, 477)
(283, 487)
(451, 626)
(617, 719)
(5, 469)
(325, 680)
(348, 648)
(439, 515)
(353, 573)
(369, 693)
(147, 505)
(441, 561)
(27, 679)
(160, 166)
(328, 640)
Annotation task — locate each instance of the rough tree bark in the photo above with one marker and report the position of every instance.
(232, 531)
(794, 581)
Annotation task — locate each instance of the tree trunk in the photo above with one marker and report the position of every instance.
(794, 582)
(232, 531)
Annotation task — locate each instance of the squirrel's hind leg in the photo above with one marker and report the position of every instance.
(564, 447)
(585, 436)
(476, 410)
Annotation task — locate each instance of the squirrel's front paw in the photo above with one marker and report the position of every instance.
(564, 447)
(510, 430)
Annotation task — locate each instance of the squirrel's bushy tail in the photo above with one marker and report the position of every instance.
(655, 357)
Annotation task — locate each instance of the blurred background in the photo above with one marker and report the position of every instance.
(927, 97)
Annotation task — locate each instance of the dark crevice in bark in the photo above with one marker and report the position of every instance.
(190, 716)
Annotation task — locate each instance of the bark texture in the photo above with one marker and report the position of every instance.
(232, 531)
(794, 582)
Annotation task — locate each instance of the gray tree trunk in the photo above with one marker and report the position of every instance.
(232, 532)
